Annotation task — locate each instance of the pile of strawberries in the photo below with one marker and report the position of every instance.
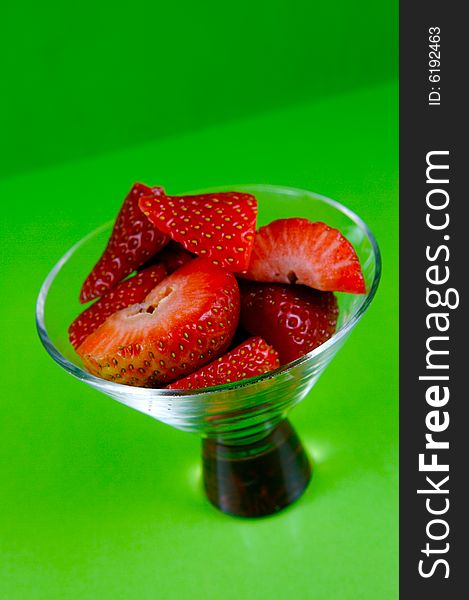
(209, 300)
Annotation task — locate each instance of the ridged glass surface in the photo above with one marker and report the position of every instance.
(238, 411)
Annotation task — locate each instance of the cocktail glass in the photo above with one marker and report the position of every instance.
(253, 461)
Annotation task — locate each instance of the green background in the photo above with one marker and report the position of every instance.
(94, 76)
(99, 501)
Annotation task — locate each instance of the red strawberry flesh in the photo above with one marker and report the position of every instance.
(183, 323)
(133, 240)
(300, 251)
(126, 293)
(252, 358)
(294, 319)
(220, 227)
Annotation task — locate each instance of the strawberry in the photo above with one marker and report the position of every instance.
(299, 251)
(220, 227)
(186, 321)
(253, 357)
(127, 292)
(294, 319)
(133, 240)
(172, 257)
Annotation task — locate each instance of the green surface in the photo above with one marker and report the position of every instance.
(96, 76)
(99, 501)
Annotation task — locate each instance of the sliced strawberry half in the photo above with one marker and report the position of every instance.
(253, 357)
(299, 251)
(127, 292)
(295, 319)
(133, 240)
(220, 227)
(184, 322)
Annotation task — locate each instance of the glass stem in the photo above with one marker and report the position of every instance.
(258, 478)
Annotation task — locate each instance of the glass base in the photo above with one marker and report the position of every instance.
(257, 478)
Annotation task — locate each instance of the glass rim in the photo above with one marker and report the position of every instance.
(116, 389)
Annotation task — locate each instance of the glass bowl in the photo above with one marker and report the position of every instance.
(253, 461)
